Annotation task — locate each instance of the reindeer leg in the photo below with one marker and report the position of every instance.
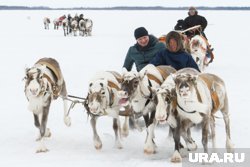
(125, 128)
(186, 135)
(150, 147)
(176, 157)
(43, 130)
(37, 124)
(116, 126)
(36, 121)
(97, 140)
(205, 131)
(212, 127)
(224, 110)
(64, 94)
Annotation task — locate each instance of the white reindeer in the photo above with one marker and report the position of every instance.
(43, 83)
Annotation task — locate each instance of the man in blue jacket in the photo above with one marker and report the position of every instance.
(143, 51)
(174, 54)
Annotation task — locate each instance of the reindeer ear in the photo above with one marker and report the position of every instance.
(90, 84)
(104, 83)
(172, 77)
(26, 70)
(124, 70)
(142, 74)
(193, 78)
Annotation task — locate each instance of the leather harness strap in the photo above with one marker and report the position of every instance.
(152, 77)
(113, 85)
(55, 70)
(117, 76)
(163, 73)
(55, 88)
(214, 95)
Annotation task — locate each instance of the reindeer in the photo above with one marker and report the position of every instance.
(85, 27)
(46, 22)
(137, 92)
(74, 27)
(166, 112)
(102, 100)
(65, 25)
(43, 83)
(198, 98)
(198, 49)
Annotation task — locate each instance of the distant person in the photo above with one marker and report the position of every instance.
(174, 54)
(69, 22)
(69, 17)
(143, 51)
(80, 17)
(194, 19)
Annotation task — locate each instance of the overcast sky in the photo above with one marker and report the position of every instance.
(111, 3)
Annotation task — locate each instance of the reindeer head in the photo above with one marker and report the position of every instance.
(166, 96)
(34, 83)
(185, 84)
(98, 97)
(130, 82)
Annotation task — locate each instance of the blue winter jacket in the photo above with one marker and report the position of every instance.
(177, 60)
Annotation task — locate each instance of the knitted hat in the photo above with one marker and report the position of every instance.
(140, 32)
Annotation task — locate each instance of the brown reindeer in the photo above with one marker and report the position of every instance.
(198, 98)
(137, 93)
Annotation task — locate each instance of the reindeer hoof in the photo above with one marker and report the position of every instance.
(149, 151)
(192, 146)
(38, 138)
(118, 145)
(42, 150)
(67, 121)
(125, 132)
(176, 158)
(47, 133)
(98, 147)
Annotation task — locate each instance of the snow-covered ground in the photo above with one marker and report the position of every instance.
(23, 41)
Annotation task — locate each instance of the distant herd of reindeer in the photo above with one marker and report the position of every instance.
(71, 25)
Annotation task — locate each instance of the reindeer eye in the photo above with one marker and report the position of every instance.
(103, 93)
(136, 82)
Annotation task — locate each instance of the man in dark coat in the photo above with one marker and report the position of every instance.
(143, 51)
(194, 19)
(174, 55)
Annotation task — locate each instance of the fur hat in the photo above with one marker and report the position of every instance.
(140, 32)
(192, 8)
(177, 37)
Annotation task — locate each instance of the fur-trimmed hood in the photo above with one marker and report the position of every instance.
(177, 37)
